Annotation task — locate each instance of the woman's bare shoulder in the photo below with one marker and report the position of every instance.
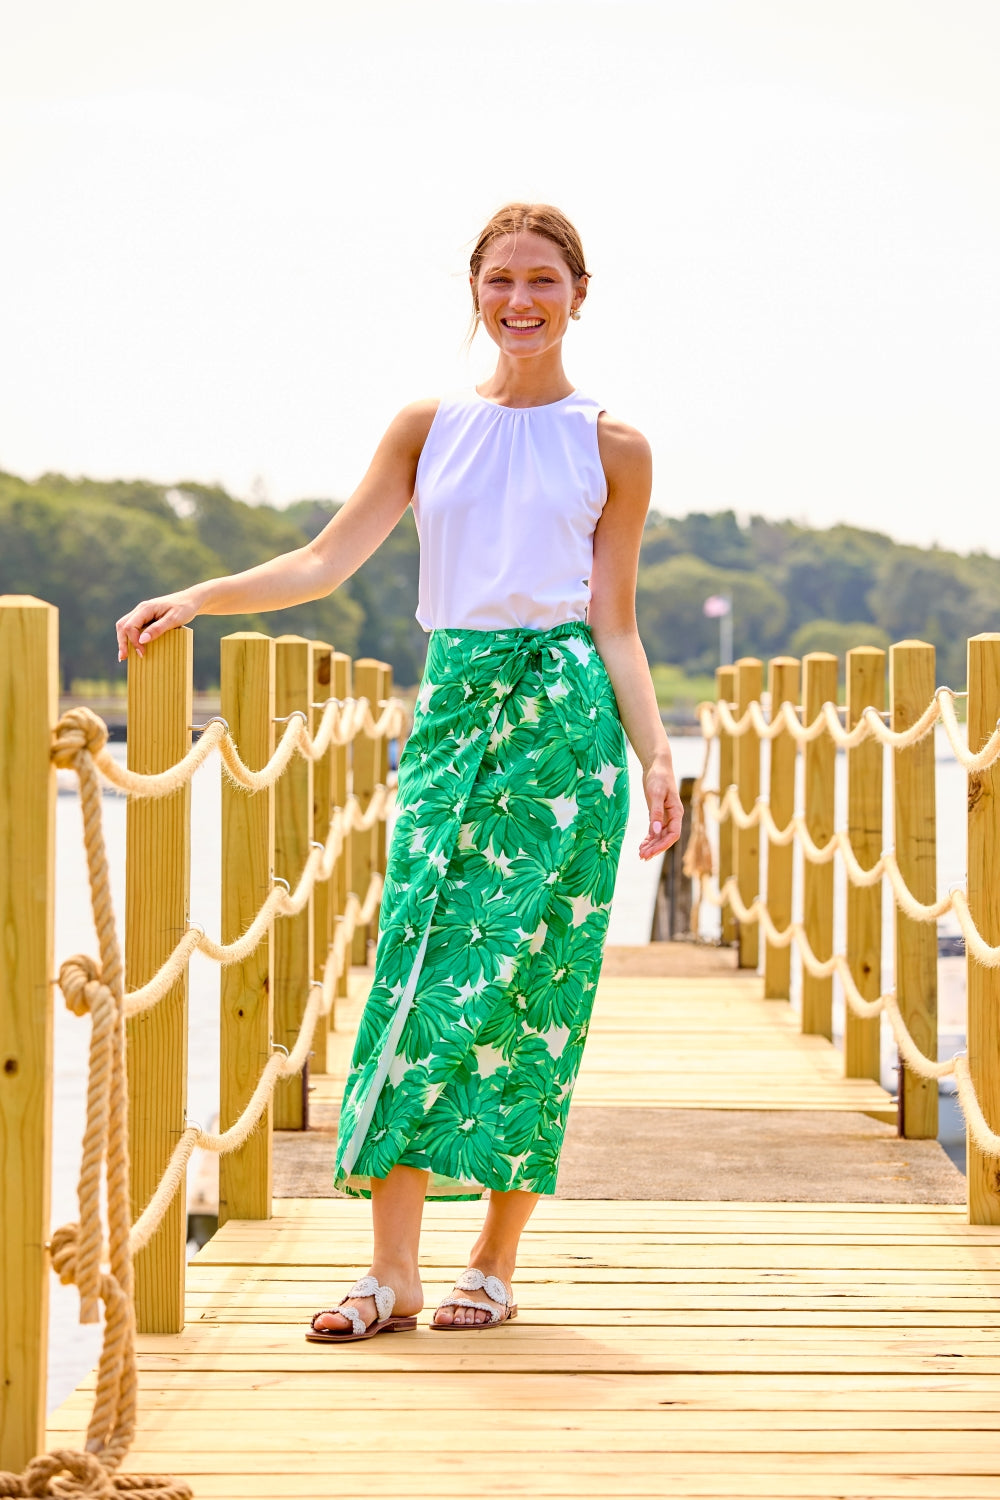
(410, 426)
(625, 452)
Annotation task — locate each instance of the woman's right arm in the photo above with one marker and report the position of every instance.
(312, 571)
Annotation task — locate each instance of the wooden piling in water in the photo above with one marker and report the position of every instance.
(246, 1020)
(746, 841)
(984, 906)
(865, 686)
(819, 686)
(725, 692)
(293, 827)
(157, 887)
(784, 681)
(29, 688)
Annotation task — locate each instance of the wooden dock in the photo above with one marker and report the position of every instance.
(673, 1349)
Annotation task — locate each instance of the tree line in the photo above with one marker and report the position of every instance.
(95, 548)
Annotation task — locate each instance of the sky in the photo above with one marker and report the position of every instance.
(234, 238)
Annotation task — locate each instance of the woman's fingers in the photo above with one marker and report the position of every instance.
(665, 816)
(150, 619)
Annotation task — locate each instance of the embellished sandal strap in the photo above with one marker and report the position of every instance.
(358, 1324)
(473, 1280)
(367, 1286)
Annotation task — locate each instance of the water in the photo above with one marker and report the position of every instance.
(73, 1351)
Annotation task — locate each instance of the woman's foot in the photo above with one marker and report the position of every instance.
(405, 1282)
(461, 1317)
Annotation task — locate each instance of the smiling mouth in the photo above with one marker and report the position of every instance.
(522, 325)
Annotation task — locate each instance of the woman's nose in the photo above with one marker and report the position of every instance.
(520, 294)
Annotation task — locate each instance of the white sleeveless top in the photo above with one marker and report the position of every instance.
(506, 502)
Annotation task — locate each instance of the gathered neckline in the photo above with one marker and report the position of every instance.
(542, 406)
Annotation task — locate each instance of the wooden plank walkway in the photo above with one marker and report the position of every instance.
(763, 1350)
(683, 1041)
(712, 1043)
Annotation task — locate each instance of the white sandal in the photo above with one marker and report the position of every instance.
(499, 1302)
(385, 1301)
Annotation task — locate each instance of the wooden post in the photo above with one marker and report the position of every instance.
(293, 826)
(382, 773)
(746, 841)
(157, 881)
(984, 904)
(340, 687)
(865, 686)
(725, 692)
(784, 683)
(246, 1023)
(366, 765)
(29, 687)
(911, 688)
(322, 806)
(819, 686)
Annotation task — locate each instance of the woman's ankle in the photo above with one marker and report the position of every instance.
(394, 1270)
(494, 1260)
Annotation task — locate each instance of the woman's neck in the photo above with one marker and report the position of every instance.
(527, 382)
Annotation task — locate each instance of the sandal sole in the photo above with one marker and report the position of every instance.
(473, 1327)
(387, 1325)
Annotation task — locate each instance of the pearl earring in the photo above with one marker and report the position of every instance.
(575, 314)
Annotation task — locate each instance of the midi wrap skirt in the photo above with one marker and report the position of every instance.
(512, 803)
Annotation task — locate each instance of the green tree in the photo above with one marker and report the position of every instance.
(836, 637)
(830, 575)
(717, 538)
(669, 605)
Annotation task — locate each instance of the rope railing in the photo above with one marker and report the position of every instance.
(278, 1066)
(737, 806)
(719, 717)
(886, 867)
(341, 723)
(838, 964)
(319, 867)
(99, 1261)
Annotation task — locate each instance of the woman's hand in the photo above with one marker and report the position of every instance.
(665, 810)
(152, 618)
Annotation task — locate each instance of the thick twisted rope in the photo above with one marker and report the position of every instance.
(716, 718)
(318, 867)
(986, 1139)
(77, 1251)
(81, 728)
(886, 866)
(278, 1066)
(719, 718)
(65, 1473)
(341, 723)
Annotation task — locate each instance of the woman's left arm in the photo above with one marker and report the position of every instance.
(627, 464)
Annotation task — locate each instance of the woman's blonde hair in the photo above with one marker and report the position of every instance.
(517, 218)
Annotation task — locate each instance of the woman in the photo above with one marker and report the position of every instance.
(530, 502)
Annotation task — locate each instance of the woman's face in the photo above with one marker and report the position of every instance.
(526, 293)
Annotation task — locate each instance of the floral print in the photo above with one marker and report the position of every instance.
(512, 803)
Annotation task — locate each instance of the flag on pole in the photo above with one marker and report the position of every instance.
(717, 605)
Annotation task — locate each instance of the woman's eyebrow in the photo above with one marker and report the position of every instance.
(532, 270)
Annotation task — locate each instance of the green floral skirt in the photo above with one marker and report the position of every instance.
(512, 803)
